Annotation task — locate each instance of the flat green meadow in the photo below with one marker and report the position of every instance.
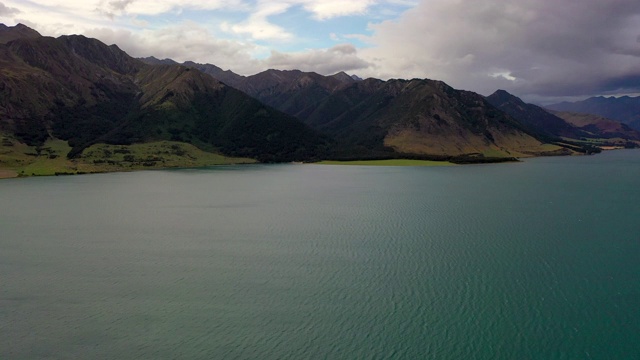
(18, 159)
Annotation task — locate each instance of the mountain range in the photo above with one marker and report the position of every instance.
(564, 128)
(625, 109)
(79, 90)
(81, 93)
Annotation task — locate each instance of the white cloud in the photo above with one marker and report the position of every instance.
(258, 25)
(186, 41)
(158, 7)
(190, 41)
(57, 17)
(7, 11)
(343, 57)
(529, 47)
(328, 9)
(539, 47)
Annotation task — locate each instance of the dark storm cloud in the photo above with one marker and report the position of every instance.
(532, 48)
(540, 48)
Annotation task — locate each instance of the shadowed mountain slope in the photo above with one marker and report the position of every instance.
(423, 117)
(625, 109)
(535, 117)
(83, 91)
(20, 31)
(293, 92)
(599, 126)
(585, 131)
(226, 76)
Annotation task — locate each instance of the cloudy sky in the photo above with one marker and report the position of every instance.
(540, 50)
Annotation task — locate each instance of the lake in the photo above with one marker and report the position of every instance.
(531, 260)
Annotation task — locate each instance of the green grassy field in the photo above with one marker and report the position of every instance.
(24, 160)
(18, 159)
(608, 142)
(160, 154)
(391, 162)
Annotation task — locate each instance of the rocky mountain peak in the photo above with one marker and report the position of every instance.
(20, 31)
(343, 77)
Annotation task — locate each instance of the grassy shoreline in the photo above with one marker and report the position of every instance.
(387, 162)
(20, 160)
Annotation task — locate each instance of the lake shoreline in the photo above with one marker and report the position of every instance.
(8, 173)
(282, 261)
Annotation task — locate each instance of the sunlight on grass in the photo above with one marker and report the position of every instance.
(19, 159)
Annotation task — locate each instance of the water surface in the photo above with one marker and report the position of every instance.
(535, 260)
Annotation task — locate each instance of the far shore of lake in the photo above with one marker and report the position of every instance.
(387, 162)
(7, 174)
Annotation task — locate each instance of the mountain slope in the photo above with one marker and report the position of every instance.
(602, 127)
(85, 92)
(567, 128)
(291, 91)
(203, 110)
(534, 117)
(152, 60)
(226, 76)
(19, 31)
(625, 109)
(370, 118)
(294, 91)
(421, 117)
(366, 122)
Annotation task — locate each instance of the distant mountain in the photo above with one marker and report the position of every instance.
(85, 92)
(423, 117)
(152, 60)
(534, 117)
(625, 109)
(293, 91)
(345, 78)
(573, 129)
(372, 117)
(289, 91)
(261, 85)
(600, 126)
(19, 31)
(226, 76)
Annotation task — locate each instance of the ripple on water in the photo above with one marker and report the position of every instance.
(290, 262)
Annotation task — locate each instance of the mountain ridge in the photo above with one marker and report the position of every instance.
(84, 93)
(9, 33)
(564, 128)
(420, 116)
(537, 119)
(625, 109)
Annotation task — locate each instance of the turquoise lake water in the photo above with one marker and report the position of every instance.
(534, 260)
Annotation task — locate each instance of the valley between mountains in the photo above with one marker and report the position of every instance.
(73, 105)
